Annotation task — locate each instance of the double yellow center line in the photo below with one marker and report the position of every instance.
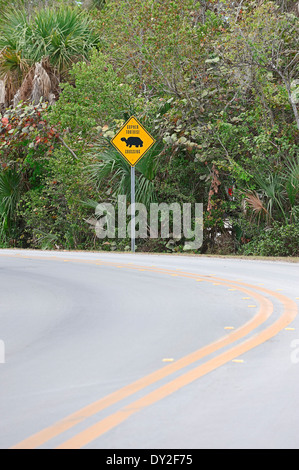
(93, 432)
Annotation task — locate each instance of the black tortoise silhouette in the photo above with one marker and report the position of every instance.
(133, 141)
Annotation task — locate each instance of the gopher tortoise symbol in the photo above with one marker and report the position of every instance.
(133, 141)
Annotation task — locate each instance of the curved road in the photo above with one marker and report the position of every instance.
(122, 351)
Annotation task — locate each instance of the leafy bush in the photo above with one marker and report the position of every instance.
(97, 97)
(281, 240)
(53, 216)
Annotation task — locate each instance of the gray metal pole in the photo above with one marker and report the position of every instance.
(133, 209)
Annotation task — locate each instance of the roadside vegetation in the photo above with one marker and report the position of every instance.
(216, 83)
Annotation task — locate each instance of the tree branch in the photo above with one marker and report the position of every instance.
(68, 148)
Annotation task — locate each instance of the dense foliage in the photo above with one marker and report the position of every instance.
(215, 82)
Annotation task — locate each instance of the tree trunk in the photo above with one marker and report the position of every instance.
(2, 92)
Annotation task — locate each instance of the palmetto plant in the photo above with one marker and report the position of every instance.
(10, 192)
(111, 165)
(255, 203)
(98, 4)
(59, 36)
(272, 189)
(277, 195)
(65, 36)
(291, 182)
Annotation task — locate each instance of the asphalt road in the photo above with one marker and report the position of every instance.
(122, 351)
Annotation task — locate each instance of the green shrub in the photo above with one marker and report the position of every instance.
(280, 240)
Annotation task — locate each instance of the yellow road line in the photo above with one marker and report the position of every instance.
(266, 308)
(93, 432)
(38, 439)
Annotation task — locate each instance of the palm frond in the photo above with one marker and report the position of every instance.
(273, 189)
(254, 202)
(63, 35)
(292, 181)
(10, 191)
(111, 165)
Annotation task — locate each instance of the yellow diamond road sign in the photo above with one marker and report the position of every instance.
(132, 141)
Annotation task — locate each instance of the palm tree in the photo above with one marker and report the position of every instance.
(90, 4)
(37, 51)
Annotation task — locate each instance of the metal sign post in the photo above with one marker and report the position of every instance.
(133, 209)
(132, 141)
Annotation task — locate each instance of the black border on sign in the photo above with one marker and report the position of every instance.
(154, 141)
